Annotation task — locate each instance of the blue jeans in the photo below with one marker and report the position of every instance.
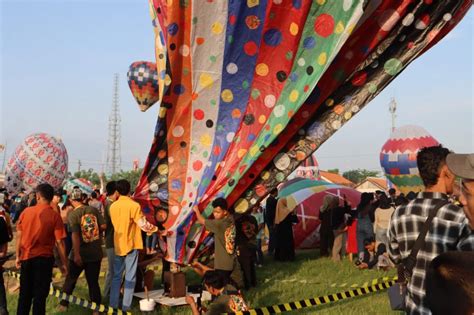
(151, 241)
(110, 271)
(129, 265)
(364, 231)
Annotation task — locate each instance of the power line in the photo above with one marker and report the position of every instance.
(344, 156)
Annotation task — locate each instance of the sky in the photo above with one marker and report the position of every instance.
(58, 59)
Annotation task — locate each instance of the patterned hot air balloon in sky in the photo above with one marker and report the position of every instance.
(250, 89)
(398, 156)
(41, 158)
(143, 82)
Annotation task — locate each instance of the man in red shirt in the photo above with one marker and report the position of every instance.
(39, 229)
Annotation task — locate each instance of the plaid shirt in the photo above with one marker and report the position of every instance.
(449, 231)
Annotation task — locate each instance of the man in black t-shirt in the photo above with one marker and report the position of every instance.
(246, 242)
(86, 224)
(269, 217)
(112, 195)
(339, 227)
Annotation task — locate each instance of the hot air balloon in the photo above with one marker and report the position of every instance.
(398, 156)
(41, 158)
(85, 185)
(252, 88)
(143, 82)
(307, 197)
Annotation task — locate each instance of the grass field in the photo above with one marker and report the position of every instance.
(309, 276)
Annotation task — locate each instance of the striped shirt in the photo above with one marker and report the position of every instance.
(449, 231)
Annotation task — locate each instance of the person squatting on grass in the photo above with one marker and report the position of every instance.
(226, 298)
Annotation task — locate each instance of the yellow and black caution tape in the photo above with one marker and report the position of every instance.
(75, 300)
(336, 285)
(326, 299)
(365, 284)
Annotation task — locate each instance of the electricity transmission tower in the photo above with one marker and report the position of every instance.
(393, 109)
(114, 159)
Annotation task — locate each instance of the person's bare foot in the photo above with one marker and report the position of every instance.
(15, 287)
(61, 308)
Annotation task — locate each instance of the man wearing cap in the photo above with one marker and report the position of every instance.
(448, 231)
(462, 165)
(86, 225)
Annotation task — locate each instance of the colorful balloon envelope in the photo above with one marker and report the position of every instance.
(41, 158)
(309, 196)
(85, 185)
(250, 89)
(398, 156)
(143, 82)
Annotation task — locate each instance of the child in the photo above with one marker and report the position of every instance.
(145, 277)
(161, 216)
(150, 240)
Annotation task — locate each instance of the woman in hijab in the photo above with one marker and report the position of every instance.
(284, 219)
(383, 214)
(326, 236)
(365, 229)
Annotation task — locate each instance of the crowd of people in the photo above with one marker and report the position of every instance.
(359, 231)
(383, 228)
(69, 231)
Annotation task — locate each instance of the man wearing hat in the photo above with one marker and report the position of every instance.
(462, 165)
(86, 224)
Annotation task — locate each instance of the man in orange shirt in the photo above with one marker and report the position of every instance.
(39, 228)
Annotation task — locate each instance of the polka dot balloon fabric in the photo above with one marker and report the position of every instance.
(371, 58)
(242, 80)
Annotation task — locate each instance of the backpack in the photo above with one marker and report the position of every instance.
(229, 237)
(89, 228)
(237, 303)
